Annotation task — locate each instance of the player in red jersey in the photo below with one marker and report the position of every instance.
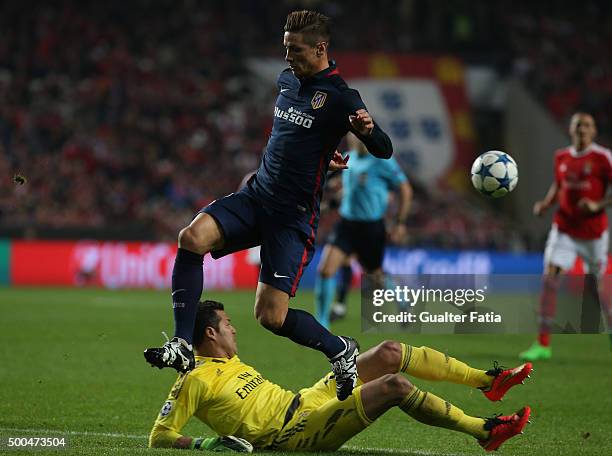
(580, 225)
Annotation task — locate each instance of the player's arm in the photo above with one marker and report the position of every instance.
(405, 196)
(592, 207)
(399, 229)
(167, 438)
(370, 134)
(227, 443)
(397, 180)
(363, 126)
(607, 201)
(175, 413)
(541, 206)
(551, 196)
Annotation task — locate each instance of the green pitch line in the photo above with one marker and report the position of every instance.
(72, 361)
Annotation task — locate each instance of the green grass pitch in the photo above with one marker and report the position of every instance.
(72, 365)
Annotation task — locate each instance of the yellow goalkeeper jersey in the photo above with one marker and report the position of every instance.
(231, 397)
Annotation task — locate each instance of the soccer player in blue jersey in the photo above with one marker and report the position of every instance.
(361, 230)
(279, 207)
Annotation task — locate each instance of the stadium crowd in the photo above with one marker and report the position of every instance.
(140, 114)
(117, 114)
(560, 54)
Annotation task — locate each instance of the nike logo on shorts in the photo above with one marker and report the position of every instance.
(280, 276)
(176, 291)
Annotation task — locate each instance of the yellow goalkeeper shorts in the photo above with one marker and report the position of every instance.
(321, 421)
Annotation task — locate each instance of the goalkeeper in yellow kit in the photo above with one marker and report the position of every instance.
(233, 399)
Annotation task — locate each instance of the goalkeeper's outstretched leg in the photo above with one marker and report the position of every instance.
(390, 357)
(392, 390)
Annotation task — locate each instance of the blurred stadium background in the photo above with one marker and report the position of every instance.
(127, 117)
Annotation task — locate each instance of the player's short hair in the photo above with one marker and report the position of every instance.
(313, 26)
(206, 316)
(582, 112)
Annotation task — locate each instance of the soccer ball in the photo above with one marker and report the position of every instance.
(494, 173)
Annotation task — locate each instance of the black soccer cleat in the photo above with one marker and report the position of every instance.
(176, 353)
(344, 367)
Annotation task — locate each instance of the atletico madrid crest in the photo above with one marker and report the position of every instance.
(318, 99)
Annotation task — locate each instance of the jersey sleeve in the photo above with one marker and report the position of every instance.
(282, 81)
(378, 142)
(351, 101)
(188, 395)
(392, 173)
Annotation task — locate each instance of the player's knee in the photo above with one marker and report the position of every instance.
(194, 239)
(395, 387)
(552, 271)
(326, 272)
(272, 321)
(551, 281)
(389, 355)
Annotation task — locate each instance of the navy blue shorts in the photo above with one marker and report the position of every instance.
(285, 250)
(366, 239)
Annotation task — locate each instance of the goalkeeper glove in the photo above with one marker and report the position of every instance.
(227, 443)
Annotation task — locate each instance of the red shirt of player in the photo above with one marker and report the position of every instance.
(578, 176)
